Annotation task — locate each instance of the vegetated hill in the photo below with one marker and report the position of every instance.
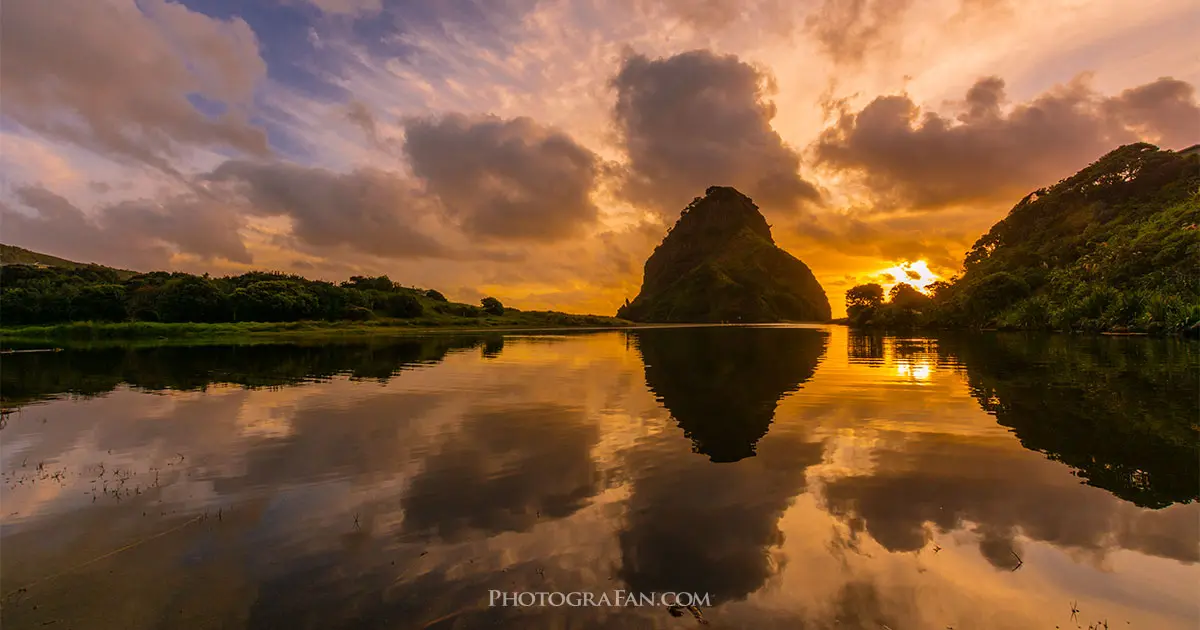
(35, 295)
(13, 255)
(719, 263)
(1114, 247)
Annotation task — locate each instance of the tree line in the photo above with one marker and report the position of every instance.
(31, 295)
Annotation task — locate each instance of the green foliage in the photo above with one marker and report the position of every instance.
(862, 302)
(906, 306)
(99, 302)
(719, 263)
(368, 283)
(187, 298)
(272, 301)
(455, 309)
(402, 305)
(39, 296)
(1114, 247)
(863, 298)
(358, 314)
(492, 306)
(905, 296)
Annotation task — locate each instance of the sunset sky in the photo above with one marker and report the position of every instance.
(538, 150)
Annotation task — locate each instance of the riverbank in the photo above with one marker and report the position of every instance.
(233, 332)
(1191, 332)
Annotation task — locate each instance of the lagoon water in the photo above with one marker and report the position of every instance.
(802, 476)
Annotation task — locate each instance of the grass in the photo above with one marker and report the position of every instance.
(193, 332)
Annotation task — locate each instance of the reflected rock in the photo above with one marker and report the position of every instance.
(722, 384)
(696, 527)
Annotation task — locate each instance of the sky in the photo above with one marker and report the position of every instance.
(537, 150)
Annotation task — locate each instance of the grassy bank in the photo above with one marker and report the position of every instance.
(151, 331)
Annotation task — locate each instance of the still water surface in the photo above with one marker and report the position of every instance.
(804, 477)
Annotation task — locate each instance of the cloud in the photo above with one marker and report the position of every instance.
(709, 17)
(698, 119)
(115, 77)
(348, 7)
(924, 160)
(847, 29)
(149, 232)
(368, 209)
(1165, 109)
(360, 115)
(505, 179)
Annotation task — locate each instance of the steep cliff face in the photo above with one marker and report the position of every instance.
(719, 263)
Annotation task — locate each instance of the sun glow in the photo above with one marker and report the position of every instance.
(916, 274)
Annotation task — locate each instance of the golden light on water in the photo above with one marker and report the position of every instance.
(916, 274)
(916, 371)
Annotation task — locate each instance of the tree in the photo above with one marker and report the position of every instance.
(190, 298)
(273, 301)
(862, 301)
(993, 293)
(99, 302)
(382, 283)
(492, 306)
(904, 296)
(403, 305)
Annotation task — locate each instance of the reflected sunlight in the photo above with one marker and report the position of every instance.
(917, 371)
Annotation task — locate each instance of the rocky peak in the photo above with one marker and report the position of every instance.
(720, 263)
(721, 212)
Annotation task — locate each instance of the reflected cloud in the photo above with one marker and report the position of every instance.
(503, 471)
(355, 491)
(930, 485)
(692, 526)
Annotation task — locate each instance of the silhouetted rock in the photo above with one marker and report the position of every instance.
(719, 263)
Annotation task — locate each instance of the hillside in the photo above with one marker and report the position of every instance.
(719, 263)
(12, 255)
(49, 301)
(1115, 247)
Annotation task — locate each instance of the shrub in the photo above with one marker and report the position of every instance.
(402, 305)
(358, 314)
(492, 306)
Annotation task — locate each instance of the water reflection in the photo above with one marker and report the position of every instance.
(29, 377)
(722, 384)
(847, 481)
(1123, 414)
(710, 529)
(503, 470)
